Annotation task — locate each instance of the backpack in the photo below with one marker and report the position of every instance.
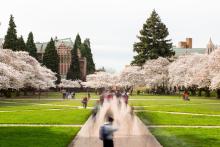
(103, 133)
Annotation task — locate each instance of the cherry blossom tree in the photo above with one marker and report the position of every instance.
(69, 84)
(131, 76)
(99, 80)
(156, 72)
(186, 71)
(19, 70)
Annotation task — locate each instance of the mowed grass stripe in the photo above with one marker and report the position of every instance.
(155, 118)
(45, 117)
(40, 125)
(187, 137)
(36, 136)
(180, 113)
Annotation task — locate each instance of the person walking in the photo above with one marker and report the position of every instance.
(186, 96)
(106, 133)
(84, 102)
(89, 96)
(73, 94)
(95, 110)
(125, 98)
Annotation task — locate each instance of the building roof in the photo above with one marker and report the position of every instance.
(210, 46)
(1, 42)
(183, 51)
(42, 46)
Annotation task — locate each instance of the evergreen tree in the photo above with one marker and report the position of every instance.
(153, 42)
(10, 41)
(74, 70)
(21, 46)
(77, 42)
(86, 52)
(51, 59)
(30, 45)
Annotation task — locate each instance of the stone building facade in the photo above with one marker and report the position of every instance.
(185, 44)
(64, 47)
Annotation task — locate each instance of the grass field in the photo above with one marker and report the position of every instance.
(55, 95)
(152, 110)
(36, 136)
(188, 137)
(34, 111)
(170, 111)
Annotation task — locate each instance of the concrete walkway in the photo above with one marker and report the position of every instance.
(141, 138)
(131, 131)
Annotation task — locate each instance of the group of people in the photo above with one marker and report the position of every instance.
(68, 94)
(107, 130)
(108, 96)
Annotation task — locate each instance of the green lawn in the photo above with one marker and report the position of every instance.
(155, 118)
(36, 136)
(204, 106)
(187, 137)
(56, 95)
(181, 137)
(43, 112)
(197, 109)
(64, 116)
(34, 111)
(40, 104)
(51, 109)
(147, 96)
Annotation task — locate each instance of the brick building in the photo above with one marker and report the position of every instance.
(64, 47)
(185, 44)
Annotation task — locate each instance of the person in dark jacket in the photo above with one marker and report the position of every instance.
(106, 133)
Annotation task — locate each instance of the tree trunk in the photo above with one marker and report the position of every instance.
(25, 92)
(218, 93)
(200, 92)
(17, 93)
(207, 92)
(193, 92)
(7, 93)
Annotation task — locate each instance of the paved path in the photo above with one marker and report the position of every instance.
(141, 138)
(131, 131)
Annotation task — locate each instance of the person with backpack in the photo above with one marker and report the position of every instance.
(106, 133)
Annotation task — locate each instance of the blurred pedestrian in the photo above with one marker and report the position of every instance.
(89, 96)
(84, 102)
(186, 96)
(106, 133)
(95, 109)
(125, 96)
(73, 94)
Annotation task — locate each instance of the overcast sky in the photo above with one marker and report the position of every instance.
(112, 25)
